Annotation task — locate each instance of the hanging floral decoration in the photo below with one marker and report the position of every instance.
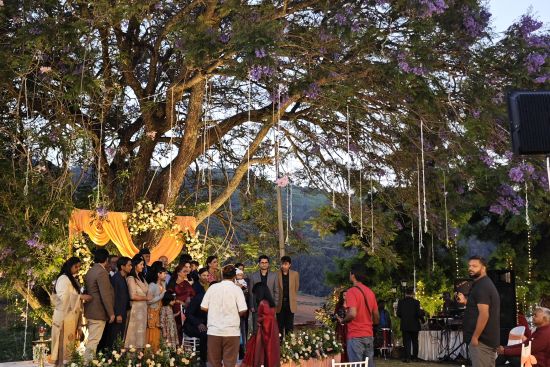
(192, 244)
(148, 216)
(82, 251)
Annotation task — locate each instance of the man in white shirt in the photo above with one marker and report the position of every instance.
(225, 304)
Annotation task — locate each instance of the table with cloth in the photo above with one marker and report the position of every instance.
(434, 345)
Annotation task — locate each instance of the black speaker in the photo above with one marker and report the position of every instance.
(529, 114)
(505, 282)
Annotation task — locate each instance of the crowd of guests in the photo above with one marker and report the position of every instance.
(136, 303)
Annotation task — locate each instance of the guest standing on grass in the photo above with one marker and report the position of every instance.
(136, 332)
(66, 301)
(263, 347)
(182, 286)
(155, 293)
(225, 303)
(168, 322)
(410, 313)
(269, 278)
(360, 318)
(481, 325)
(115, 331)
(289, 284)
(99, 310)
(212, 264)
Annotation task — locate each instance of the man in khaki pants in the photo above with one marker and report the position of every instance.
(100, 309)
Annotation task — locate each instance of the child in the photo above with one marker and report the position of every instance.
(240, 280)
(168, 322)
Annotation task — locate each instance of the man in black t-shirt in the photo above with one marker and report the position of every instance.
(482, 315)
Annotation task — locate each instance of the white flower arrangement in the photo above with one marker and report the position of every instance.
(82, 251)
(308, 344)
(147, 216)
(164, 357)
(193, 245)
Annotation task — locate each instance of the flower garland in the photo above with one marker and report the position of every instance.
(131, 357)
(147, 216)
(193, 245)
(309, 344)
(82, 251)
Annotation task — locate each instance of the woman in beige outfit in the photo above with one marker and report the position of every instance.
(66, 299)
(137, 321)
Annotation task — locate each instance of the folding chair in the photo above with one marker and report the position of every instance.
(364, 363)
(190, 343)
(516, 335)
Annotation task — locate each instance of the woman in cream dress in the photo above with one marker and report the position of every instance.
(66, 299)
(137, 321)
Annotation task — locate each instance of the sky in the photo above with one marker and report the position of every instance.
(505, 12)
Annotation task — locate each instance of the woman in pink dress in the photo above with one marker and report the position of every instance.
(262, 349)
(212, 264)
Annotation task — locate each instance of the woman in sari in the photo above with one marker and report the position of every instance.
(262, 349)
(66, 299)
(155, 278)
(137, 321)
(183, 288)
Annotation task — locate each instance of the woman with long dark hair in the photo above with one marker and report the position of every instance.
(340, 311)
(212, 264)
(156, 278)
(263, 347)
(137, 321)
(66, 300)
(183, 288)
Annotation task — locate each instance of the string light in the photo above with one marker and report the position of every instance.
(423, 175)
(420, 244)
(528, 223)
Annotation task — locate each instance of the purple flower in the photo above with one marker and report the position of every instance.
(34, 243)
(398, 225)
(497, 209)
(508, 155)
(102, 212)
(313, 91)
(527, 168)
(475, 24)
(534, 61)
(460, 190)
(476, 113)
(542, 79)
(485, 158)
(5, 253)
(224, 38)
(516, 174)
(324, 37)
(528, 25)
(340, 19)
(260, 53)
(432, 7)
(538, 41)
(507, 190)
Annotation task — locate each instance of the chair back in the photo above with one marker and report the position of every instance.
(364, 363)
(516, 335)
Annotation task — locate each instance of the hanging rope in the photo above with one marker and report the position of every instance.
(333, 199)
(26, 318)
(528, 223)
(291, 205)
(548, 170)
(248, 134)
(348, 165)
(420, 244)
(360, 202)
(287, 213)
(433, 255)
(413, 255)
(170, 144)
(446, 212)
(371, 213)
(423, 175)
(99, 154)
(28, 143)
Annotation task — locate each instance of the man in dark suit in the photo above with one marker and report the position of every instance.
(99, 310)
(267, 277)
(146, 255)
(289, 283)
(116, 330)
(410, 313)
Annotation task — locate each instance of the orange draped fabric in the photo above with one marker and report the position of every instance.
(114, 229)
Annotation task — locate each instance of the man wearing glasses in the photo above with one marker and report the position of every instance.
(267, 277)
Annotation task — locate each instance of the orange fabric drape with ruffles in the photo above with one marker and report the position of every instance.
(114, 229)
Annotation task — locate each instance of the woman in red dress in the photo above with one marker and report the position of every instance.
(263, 347)
(182, 286)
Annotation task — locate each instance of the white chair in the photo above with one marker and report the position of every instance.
(364, 363)
(516, 335)
(190, 343)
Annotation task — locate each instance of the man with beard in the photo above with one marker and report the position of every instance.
(482, 315)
